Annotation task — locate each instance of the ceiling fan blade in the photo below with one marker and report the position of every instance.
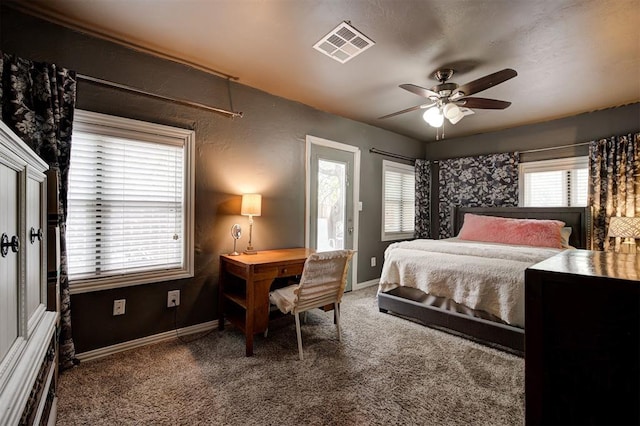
(482, 103)
(420, 91)
(486, 82)
(393, 114)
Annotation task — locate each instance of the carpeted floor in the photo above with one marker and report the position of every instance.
(386, 370)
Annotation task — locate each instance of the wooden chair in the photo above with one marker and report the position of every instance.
(322, 283)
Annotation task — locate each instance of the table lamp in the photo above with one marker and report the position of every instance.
(251, 206)
(627, 228)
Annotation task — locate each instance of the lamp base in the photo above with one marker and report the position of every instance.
(250, 250)
(628, 247)
(235, 253)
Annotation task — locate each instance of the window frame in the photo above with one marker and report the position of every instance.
(401, 168)
(557, 164)
(114, 126)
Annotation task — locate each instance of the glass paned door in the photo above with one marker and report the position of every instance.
(331, 201)
(331, 207)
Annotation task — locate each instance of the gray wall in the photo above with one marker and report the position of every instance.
(566, 131)
(262, 152)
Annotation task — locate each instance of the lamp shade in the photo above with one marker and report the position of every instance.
(451, 111)
(251, 205)
(433, 116)
(624, 227)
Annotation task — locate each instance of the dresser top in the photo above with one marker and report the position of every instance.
(621, 266)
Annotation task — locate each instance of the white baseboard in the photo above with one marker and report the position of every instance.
(143, 341)
(366, 284)
(53, 414)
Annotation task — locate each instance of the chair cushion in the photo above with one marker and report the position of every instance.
(284, 298)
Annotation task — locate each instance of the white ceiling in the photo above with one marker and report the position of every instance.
(572, 56)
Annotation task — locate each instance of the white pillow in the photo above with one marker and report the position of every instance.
(565, 233)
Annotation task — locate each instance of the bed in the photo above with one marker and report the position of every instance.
(434, 281)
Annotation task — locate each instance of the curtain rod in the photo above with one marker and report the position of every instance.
(552, 148)
(119, 86)
(48, 14)
(391, 154)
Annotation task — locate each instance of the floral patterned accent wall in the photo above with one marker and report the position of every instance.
(483, 181)
(423, 199)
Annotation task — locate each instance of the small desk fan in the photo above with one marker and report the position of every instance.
(236, 231)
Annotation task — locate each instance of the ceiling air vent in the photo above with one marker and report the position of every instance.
(343, 43)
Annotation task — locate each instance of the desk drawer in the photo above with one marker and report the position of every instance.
(290, 270)
(278, 271)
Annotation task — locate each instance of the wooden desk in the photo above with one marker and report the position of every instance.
(244, 286)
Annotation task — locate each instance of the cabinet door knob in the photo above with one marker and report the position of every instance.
(5, 244)
(33, 234)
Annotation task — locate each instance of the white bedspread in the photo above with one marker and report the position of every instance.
(484, 276)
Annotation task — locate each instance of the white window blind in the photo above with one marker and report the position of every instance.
(398, 215)
(129, 206)
(579, 189)
(554, 183)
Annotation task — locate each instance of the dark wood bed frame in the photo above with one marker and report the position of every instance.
(479, 326)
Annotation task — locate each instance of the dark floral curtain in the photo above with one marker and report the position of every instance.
(423, 201)
(614, 184)
(483, 181)
(38, 101)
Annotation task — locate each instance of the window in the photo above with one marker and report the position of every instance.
(398, 203)
(130, 203)
(554, 183)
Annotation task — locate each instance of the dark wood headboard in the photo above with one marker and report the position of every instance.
(578, 218)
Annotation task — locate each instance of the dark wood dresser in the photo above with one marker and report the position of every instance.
(582, 345)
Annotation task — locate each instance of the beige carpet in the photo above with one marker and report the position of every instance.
(387, 370)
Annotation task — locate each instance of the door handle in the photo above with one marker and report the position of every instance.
(33, 234)
(5, 244)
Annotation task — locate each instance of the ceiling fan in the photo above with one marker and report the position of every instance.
(451, 101)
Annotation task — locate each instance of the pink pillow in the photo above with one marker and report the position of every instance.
(528, 232)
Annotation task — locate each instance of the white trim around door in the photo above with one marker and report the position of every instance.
(313, 140)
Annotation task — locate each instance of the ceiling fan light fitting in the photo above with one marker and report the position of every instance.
(454, 120)
(433, 117)
(451, 111)
(462, 113)
(437, 121)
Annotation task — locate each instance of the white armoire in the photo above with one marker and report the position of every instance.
(28, 347)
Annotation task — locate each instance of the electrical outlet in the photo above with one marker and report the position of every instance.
(373, 261)
(118, 306)
(173, 298)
